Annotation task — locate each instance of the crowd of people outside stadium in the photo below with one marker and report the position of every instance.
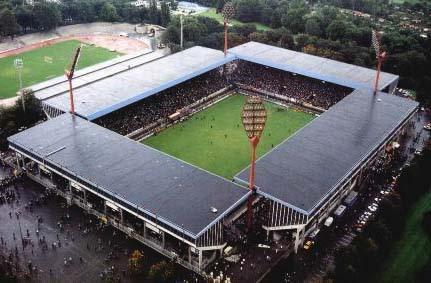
(160, 106)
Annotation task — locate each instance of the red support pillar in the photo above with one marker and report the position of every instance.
(253, 143)
(379, 65)
(72, 104)
(225, 38)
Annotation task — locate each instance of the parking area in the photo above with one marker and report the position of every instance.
(317, 257)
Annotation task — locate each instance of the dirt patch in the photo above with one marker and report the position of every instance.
(120, 44)
(117, 43)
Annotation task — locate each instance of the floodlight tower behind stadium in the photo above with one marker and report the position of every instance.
(380, 56)
(253, 118)
(69, 75)
(228, 12)
(181, 32)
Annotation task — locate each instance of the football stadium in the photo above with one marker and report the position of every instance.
(156, 147)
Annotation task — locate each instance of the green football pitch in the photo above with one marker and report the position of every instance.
(38, 66)
(214, 139)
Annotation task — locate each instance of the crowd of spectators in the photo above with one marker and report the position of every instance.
(159, 107)
(303, 89)
(163, 104)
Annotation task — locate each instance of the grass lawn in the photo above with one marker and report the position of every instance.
(412, 250)
(211, 13)
(194, 140)
(37, 70)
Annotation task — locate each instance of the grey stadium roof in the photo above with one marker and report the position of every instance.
(179, 194)
(58, 85)
(100, 94)
(311, 66)
(109, 86)
(302, 171)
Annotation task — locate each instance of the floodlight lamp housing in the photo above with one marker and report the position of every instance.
(253, 116)
(228, 12)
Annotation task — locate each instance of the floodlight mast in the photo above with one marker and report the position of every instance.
(19, 65)
(253, 118)
(228, 12)
(380, 56)
(181, 32)
(69, 75)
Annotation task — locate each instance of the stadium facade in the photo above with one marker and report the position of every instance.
(185, 212)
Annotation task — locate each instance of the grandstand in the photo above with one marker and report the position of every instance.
(309, 174)
(182, 211)
(324, 69)
(100, 93)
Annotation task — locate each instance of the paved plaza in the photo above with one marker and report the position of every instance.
(66, 245)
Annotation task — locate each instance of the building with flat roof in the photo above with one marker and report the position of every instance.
(101, 92)
(165, 202)
(100, 89)
(320, 164)
(320, 68)
(176, 197)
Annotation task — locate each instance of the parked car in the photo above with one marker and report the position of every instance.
(308, 245)
(372, 208)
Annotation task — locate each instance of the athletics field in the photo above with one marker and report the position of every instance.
(47, 62)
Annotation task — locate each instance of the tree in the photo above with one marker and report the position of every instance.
(345, 262)
(47, 15)
(327, 14)
(248, 10)
(213, 40)
(424, 274)
(294, 19)
(174, 5)
(136, 263)
(165, 14)
(312, 26)
(154, 13)
(426, 222)
(286, 40)
(24, 17)
(275, 19)
(86, 11)
(219, 6)
(212, 25)
(244, 30)
(8, 24)
(258, 37)
(161, 272)
(193, 29)
(336, 30)
(13, 118)
(171, 35)
(108, 12)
